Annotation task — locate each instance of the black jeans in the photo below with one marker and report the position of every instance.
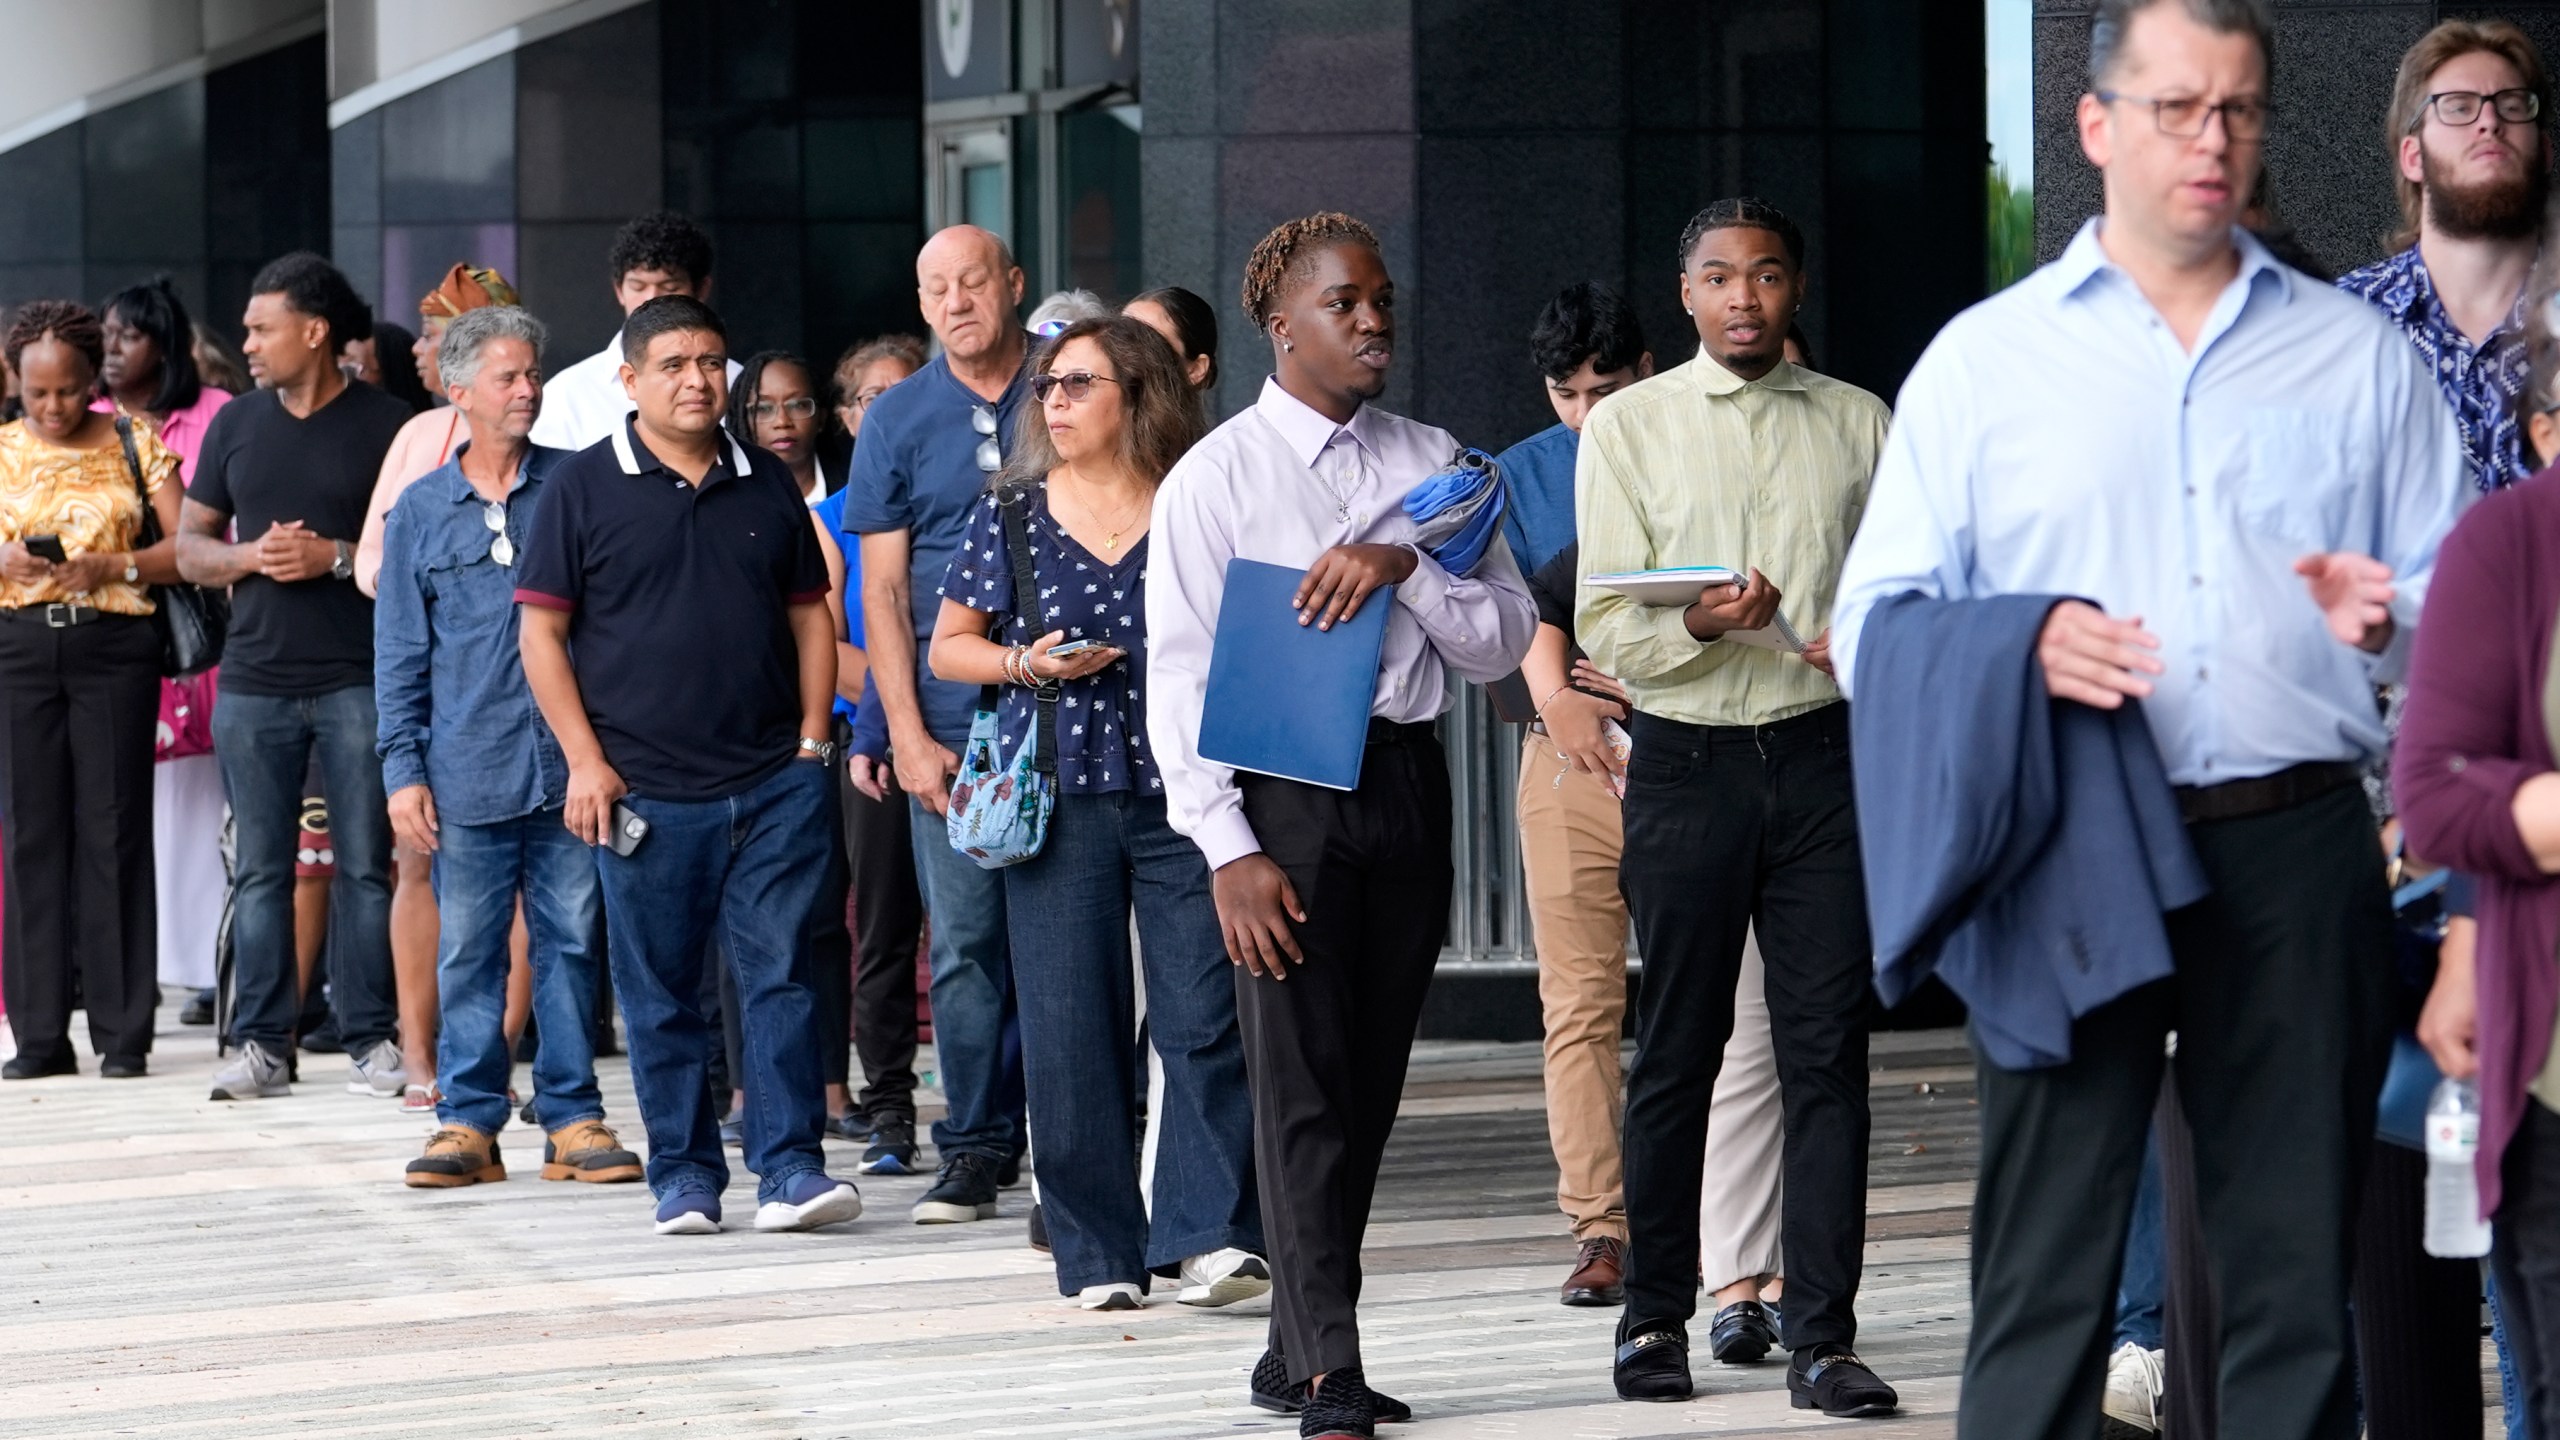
(1730, 827)
(2525, 1254)
(831, 944)
(77, 710)
(1325, 1050)
(2281, 1002)
(888, 920)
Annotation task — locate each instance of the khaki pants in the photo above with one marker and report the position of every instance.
(1569, 844)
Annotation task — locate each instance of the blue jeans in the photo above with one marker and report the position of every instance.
(265, 743)
(2144, 1280)
(972, 994)
(1069, 911)
(479, 872)
(748, 866)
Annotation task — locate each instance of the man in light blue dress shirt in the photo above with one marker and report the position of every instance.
(2244, 475)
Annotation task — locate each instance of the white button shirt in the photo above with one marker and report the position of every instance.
(1282, 484)
(586, 403)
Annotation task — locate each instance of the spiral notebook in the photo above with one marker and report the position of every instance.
(1288, 699)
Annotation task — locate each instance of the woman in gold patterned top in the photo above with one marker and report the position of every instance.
(79, 698)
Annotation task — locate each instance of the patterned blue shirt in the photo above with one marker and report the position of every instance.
(2481, 382)
(1102, 718)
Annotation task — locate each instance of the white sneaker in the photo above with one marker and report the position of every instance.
(1120, 1295)
(1223, 1277)
(253, 1074)
(2134, 1384)
(377, 1072)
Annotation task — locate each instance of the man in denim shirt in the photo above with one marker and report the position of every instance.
(476, 780)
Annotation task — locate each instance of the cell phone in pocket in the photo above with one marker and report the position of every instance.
(47, 547)
(628, 830)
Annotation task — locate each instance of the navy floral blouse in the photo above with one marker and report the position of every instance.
(1102, 718)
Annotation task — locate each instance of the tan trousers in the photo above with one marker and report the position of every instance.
(1569, 844)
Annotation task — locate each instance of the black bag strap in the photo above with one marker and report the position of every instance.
(147, 534)
(1013, 513)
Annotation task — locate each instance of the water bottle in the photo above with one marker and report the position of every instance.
(2455, 1230)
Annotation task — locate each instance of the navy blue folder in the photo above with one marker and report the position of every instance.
(1288, 699)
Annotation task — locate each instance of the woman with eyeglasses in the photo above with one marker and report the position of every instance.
(774, 403)
(1112, 412)
(865, 372)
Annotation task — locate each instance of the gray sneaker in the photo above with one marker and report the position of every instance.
(377, 1072)
(253, 1074)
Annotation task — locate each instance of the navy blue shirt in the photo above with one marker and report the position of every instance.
(917, 470)
(1102, 718)
(448, 682)
(1537, 483)
(679, 598)
(2481, 382)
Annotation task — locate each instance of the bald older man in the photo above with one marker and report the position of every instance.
(928, 446)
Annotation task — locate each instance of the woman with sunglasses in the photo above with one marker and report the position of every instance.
(1113, 411)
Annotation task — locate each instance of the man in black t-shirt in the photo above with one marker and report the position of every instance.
(676, 635)
(289, 469)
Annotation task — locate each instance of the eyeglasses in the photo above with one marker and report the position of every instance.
(2183, 117)
(862, 399)
(1077, 383)
(800, 409)
(501, 549)
(2461, 107)
(982, 418)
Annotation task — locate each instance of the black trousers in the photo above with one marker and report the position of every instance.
(1728, 827)
(2281, 1002)
(831, 949)
(1325, 1050)
(77, 710)
(888, 920)
(2525, 1253)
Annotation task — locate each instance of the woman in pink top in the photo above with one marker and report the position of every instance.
(150, 371)
(423, 445)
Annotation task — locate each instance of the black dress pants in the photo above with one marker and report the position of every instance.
(2281, 1001)
(888, 920)
(78, 707)
(1728, 827)
(2525, 1254)
(831, 949)
(1325, 1050)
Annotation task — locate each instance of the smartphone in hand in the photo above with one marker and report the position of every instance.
(628, 831)
(47, 547)
(1074, 648)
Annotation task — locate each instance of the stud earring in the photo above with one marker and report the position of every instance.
(1288, 344)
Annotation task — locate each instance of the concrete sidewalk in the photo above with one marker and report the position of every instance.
(170, 1266)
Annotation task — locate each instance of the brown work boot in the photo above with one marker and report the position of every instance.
(1599, 1271)
(456, 1155)
(587, 1150)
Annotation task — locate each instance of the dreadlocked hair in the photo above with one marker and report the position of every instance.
(68, 321)
(1289, 246)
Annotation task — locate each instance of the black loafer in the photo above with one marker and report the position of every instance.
(1269, 1389)
(1840, 1385)
(1654, 1366)
(123, 1067)
(23, 1066)
(1744, 1331)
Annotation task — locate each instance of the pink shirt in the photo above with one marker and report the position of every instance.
(183, 430)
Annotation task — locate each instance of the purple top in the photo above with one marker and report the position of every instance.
(2473, 734)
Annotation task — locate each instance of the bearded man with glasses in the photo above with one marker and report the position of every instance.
(930, 445)
(2474, 170)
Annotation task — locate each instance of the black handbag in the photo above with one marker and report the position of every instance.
(190, 619)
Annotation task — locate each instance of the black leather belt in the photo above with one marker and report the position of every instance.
(60, 615)
(2264, 794)
(1395, 732)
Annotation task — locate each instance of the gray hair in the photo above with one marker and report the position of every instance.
(469, 333)
(1066, 307)
(2111, 18)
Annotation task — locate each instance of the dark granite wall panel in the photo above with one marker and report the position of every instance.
(40, 226)
(268, 153)
(1732, 63)
(587, 115)
(1265, 179)
(1178, 55)
(1320, 66)
(1178, 195)
(1510, 65)
(560, 275)
(449, 150)
(144, 182)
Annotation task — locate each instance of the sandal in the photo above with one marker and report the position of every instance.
(417, 1100)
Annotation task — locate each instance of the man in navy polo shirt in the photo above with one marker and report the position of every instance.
(677, 640)
(929, 446)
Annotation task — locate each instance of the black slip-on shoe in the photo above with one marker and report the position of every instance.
(1343, 1408)
(1840, 1385)
(1270, 1390)
(123, 1067)
(1744, 1331)
(23, 1066)
(1654, 1365)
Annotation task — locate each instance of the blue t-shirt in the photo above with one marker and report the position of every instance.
(1102, 718)
(917, 470)
(830, 513)
(1537, 479)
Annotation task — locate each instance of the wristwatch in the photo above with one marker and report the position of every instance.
(817, 749)
(343, 567)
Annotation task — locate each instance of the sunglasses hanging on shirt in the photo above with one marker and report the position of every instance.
(982, 418)
(501, 549)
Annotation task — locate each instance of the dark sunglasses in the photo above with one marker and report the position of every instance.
(1077, 383)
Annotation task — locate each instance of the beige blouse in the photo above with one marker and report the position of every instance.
(87, 497)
